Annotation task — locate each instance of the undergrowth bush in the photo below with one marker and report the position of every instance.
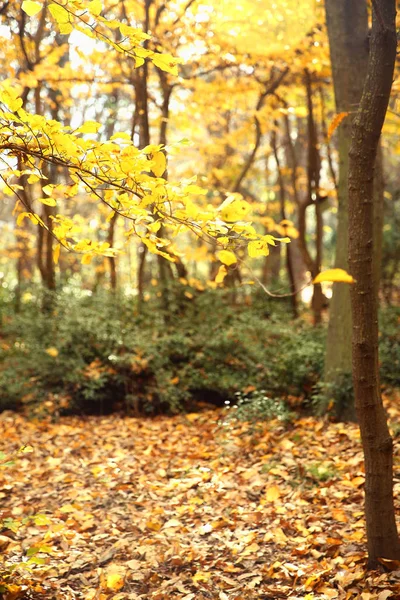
(258, 406)
(95, 354)
(335, 398)
(389, 347)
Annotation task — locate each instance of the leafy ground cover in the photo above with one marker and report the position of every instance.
(192, 506)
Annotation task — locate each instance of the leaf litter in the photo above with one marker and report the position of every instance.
(186, 507)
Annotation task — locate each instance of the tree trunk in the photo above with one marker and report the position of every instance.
(282, 203)
(347, 24)
(382, 536)
(379, 205)
(142, 114)
(314, 198)
(111, 259)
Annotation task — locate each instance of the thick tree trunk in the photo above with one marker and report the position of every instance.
(347, 24)
(382, 536)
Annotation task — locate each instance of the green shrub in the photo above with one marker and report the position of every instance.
(335, 398)
(257, 406)
(95, 354)
(389, 346)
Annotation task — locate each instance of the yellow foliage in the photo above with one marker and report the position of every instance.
(226, 257)
(95, 7)
(234, 208)
(222, 273)
(336, 122)
(334, 275)
(258, 248)
(56, 253)
(62, 17)
(53, 352)
(166, 62)
(31, 8)
(89, 127)
(47, 201)
(159, 164)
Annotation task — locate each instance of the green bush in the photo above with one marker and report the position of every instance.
(335, 398)
(95, 354)
(389, 347)
(257, 406)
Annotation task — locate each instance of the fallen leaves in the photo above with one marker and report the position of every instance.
(273, 493)
(186, 508)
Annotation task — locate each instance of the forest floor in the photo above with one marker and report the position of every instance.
(186, 507)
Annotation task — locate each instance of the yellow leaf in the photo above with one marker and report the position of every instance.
(234, 209)
(226, 257)
(159, 164)
(252, 549)
(339, 515)
(335, 123)
(56, 253)
(154, 227)
(334, 275)
(153, 525)
(86, 259)
(67, 508)
(201, 576)
(10, 97)
(47, 201)
(89, 127)
(257, 248)
(31, 8)
(21, 217)
(48, 189)
(358, 481)
(166, 62)
(115, 580)
(172, 523)
(95, 7)
(61, 15)
(33, 178)
(273, 493)
(222, 273)
(52, 352)
(122, 135)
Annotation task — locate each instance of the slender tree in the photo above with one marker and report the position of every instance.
(382, 536)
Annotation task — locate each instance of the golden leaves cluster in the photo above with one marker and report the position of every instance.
(86, 17)
(127, 180)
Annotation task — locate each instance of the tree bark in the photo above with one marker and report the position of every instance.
(111, 259)
(347, 24)
(382, 536)
(282, 203)
(313, 198)
(142, 113)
